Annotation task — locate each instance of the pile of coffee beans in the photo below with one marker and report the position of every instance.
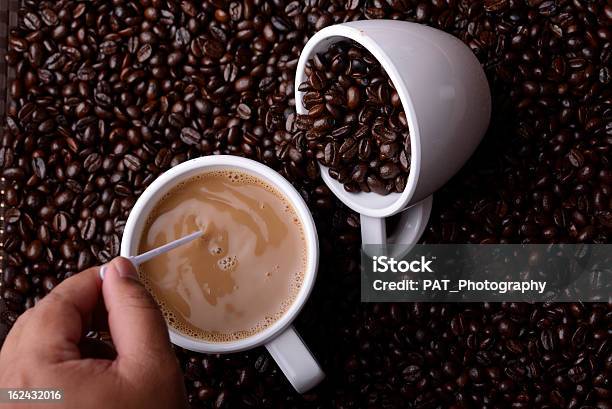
(355, 123)
(110, 93)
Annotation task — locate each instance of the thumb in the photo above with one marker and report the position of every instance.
(135, 322)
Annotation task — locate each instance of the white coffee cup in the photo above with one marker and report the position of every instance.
(447, 101)
(281, 339)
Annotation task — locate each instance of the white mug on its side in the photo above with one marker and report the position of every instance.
(447, 101)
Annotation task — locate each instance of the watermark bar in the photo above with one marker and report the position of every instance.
(487, 272)
(42, 395)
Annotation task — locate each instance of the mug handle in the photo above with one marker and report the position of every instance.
(295, 360)
(410, 227)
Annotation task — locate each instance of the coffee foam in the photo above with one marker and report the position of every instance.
(186, 328)
(228, 263)
(236, 177)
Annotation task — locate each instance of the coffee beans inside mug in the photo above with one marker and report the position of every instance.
(355, 123)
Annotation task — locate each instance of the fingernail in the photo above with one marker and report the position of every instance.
(102, 272)
(126, 270)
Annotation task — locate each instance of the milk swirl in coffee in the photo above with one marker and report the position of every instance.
(246, 270)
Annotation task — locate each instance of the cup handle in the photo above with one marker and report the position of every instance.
(410, 227)
(295, 360)
(373, 230)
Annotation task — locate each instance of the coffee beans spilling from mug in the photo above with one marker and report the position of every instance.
(109, 94)
(355, 121)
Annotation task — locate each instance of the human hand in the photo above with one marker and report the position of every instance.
(42, 349)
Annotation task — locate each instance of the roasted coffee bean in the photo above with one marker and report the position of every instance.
(205, 393)
(88, 229)
(375, 184)
(144, 53)
(213, 48)
(12, 215)
(190, 136)
(244, 111)
(546, 337)
(49, 283)
(31, 21)
(389, 170)
(93, 162)
(132, 162)
(108, 47)
(34, 250)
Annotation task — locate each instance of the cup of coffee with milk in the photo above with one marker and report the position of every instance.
(243, 282)
(245, 279)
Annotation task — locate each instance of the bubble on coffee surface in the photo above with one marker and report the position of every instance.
(228, 263)
(216, 250)
(182, 326)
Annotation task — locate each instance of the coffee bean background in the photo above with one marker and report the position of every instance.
(109, 94)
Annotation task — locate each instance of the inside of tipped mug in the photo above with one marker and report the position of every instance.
(367, 203)
(167, 181)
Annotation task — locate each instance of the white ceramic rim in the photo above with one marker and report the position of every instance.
(187, 169)
(347, 31)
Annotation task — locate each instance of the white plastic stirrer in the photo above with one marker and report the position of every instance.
(141, 258)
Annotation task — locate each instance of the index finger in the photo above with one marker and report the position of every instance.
(58, 320)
